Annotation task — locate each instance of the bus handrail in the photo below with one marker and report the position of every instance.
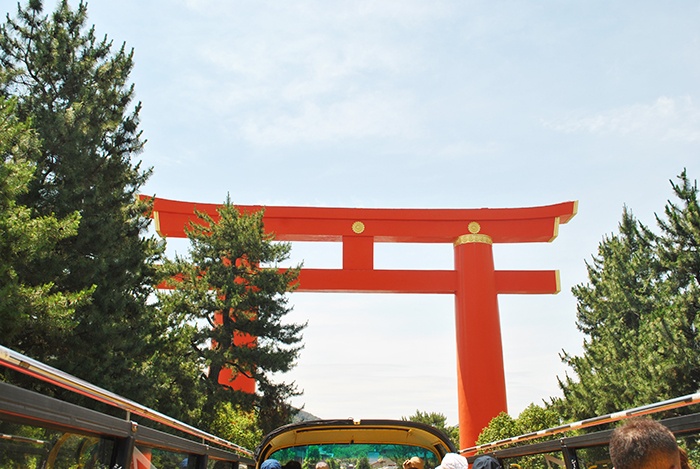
(661, 406)
(51, 375)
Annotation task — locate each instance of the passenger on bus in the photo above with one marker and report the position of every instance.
(643, 443)
(271, 464)
(453, 461)
(486, 462)
(413, 463)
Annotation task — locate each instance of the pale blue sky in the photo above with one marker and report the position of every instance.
(419, 104)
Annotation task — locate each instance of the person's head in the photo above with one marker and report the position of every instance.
(270, 464)
(413, 463)
(453, 461)
(643, 443)
(486, 462)
(322, 465)
(292, 464)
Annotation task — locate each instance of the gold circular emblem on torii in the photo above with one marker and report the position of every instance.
(358, 227)
(474, 236)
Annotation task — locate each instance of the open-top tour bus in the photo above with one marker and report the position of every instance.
(355, 444)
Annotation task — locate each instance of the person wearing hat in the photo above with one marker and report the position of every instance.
(414, 463)
(486, 462)
(271, 464)
(453, 461)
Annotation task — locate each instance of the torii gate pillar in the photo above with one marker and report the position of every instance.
(479, 351)
(474, 281)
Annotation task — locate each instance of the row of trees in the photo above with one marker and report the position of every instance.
(78, 268)
(639, 312)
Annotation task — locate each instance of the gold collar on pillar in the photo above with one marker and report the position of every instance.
(474, 236)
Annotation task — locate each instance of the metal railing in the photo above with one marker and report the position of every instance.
(26, 406)
(587, 451)
(51, 375)
(590, 449)
(669, 404)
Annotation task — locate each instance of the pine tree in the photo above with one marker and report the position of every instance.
(639, 312)
(230, 288)
(31, 315)
(74, 89)
(679, 261)
(612, 307)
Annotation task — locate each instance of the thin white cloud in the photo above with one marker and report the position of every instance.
(309, 72)
(407, 12)
(300, 68)
(667, 118)
(359, 116)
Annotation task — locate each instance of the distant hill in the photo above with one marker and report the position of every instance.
(304, 416)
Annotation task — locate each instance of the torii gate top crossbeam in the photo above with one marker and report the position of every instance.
(503, 225)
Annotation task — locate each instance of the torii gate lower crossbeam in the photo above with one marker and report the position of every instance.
(474, 280)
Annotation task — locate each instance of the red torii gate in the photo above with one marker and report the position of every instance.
(474, 280)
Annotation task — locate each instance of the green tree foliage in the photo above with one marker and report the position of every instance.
(679, 261)
(533, 418)
(363, 463)
(74, 89)
(313, 456)
(31, 314)
(236, 425)
(438, 421)
(229, 286)
(639, 313)
(499, 428)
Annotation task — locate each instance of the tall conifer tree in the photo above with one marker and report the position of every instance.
(640, 315)
(75, 89)
(31, 315)
(679, 266)
(230, 288)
